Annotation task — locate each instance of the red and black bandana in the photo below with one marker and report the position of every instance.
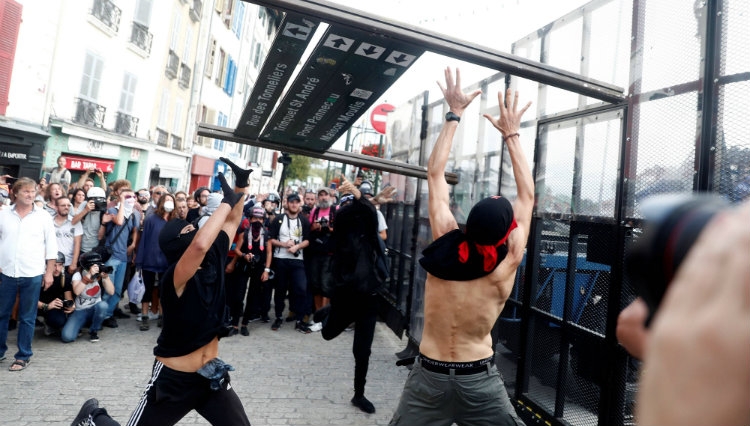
(459, 256)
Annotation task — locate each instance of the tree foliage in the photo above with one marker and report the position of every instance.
(300, 167)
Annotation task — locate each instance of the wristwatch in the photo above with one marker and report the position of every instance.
(267, 269)
(450, 116)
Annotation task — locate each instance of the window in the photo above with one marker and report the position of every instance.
(92, 76)
(177, 119)
(221, 72)
(186, 47)
(231, 75)
(163, 110)
(175, 38)
(237, 19)
(256, 59)
(210, 60)
(128, 92)
(143, 12)
(221, 121)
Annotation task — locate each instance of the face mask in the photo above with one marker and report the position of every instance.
(129, 202)
(168, 206)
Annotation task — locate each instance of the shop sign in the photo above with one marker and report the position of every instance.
(83, 163)
(13, 155)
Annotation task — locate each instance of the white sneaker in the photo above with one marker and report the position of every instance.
(153, 316)
(317, 326)
(139, 317)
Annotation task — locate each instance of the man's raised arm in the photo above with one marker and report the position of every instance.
(441, 218)
(509, 123)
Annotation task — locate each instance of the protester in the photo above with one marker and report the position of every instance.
(469, 277)
(201, 198)
(253, 256)
(28, 252)
(187, 373)
(354, 296)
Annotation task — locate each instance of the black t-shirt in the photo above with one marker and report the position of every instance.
(195, 318)
(57, 290)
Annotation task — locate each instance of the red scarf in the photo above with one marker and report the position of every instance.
(488, 252)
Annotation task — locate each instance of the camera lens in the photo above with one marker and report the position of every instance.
(672, 224)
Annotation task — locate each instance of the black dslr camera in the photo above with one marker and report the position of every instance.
(323, 221)
(672, 224)
(100, 204)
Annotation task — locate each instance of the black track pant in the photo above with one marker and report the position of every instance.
(349, 306)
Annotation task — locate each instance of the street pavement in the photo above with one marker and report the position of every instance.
(282, 377)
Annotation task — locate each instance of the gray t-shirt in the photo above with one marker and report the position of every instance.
(90, 224)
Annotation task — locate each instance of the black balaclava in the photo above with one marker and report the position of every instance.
(172, 243)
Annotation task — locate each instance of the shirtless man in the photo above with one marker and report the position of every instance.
(470, 276)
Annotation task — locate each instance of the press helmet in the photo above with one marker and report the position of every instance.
(87, 260)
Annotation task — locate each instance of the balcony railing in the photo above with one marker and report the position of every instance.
(162, 137)
(106, 12)
(173, 63)
(176, 142)
(195, 11)
(141, 37)
(185, 73)
(89, 113)
(126, 124)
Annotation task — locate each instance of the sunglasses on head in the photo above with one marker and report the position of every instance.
(127, 197)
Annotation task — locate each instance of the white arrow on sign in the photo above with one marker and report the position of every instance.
(337, 42)
(400, 58)
(300, 32)
(369, 50)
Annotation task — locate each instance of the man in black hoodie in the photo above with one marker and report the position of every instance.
(354, 297)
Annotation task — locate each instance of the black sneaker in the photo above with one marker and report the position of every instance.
(233, 332)
(244, 331)
(110, 322)
(144, 324)
(134, 309)
(363, 404)
(84, 414)
(322, 313)
(302, 328)
(277, 324)
(93, 337)
(120, 314)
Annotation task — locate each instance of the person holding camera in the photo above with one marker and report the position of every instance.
(320, 251)
(288, 236)
(89, 284)
(252, 255)
(90, 217)
(56, 301)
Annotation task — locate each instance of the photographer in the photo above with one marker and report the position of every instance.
(288, 236)
(320, 251)
(90, 309)
(696, 354)
(91, 217)
(56, 301)
(253, 256)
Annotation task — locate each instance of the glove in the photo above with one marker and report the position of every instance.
(241, 176)
(230, 197)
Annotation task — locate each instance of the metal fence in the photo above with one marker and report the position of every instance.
(684, 127)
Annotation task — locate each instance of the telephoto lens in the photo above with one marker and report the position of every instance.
(672, 223)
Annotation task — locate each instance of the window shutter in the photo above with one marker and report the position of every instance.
(10, 22)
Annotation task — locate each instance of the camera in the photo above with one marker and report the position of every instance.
(672, 224)
(104, 269)
(100, 204)
(323, 221)
(296, 253)
(67, 303)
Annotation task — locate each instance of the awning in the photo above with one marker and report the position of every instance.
(84, 163)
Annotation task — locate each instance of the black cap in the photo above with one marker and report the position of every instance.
(292, 197)
(60, 258)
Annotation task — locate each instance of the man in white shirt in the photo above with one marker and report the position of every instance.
(27, 242)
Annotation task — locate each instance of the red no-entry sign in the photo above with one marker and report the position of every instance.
(379, 117)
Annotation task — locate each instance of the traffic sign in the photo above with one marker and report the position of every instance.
(379, 117)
